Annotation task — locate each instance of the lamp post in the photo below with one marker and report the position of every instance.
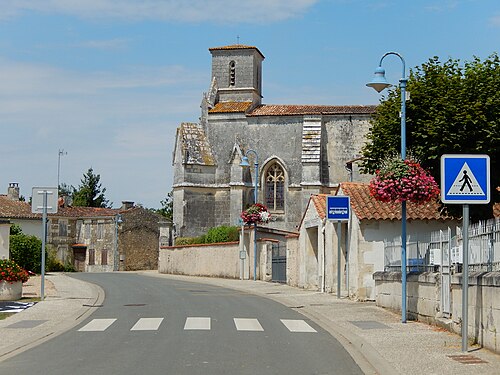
(244, 163)
(379, 83)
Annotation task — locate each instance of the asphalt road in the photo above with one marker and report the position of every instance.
(160, 326)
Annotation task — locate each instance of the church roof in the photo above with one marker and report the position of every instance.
(194, 145)
(365, 207)
(230, 107)
(291, 110)
(235, 46)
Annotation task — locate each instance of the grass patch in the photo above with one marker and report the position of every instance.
(5, 315)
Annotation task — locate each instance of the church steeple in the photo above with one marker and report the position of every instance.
(237, 69)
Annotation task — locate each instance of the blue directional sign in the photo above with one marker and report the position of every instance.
(337, 207)
(465, 179)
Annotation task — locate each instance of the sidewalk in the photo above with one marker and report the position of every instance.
(374, 337)
(67, 302)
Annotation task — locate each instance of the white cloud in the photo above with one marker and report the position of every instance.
(495, 21)
(110, 44)
(221, 11)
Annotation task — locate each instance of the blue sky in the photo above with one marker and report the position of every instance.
(109, 81)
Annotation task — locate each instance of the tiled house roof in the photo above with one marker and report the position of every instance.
(194, 145)
(11, 209)
(230, 107)
(365, 207)
(85, 212)
(292, 110)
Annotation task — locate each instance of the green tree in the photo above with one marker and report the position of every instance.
(90, 193)
(454, 109)
(167, 207)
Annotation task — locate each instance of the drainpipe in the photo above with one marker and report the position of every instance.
(323, 226)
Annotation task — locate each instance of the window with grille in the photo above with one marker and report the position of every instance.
(275, 188)
(232, 73)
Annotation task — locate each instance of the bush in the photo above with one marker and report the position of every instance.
(222, 234)
(217, 234)
(26, 251)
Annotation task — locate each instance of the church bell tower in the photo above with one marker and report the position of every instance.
(237, 70)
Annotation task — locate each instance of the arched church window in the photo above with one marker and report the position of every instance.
(232, 73)
(275, 188)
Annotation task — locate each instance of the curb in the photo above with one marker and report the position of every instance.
(44, 335)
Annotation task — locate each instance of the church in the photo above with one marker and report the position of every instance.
(294, 151)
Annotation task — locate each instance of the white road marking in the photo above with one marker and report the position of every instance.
(197, 323)
(297, 325)
(147, 324)
(247, 324)
(97, 325)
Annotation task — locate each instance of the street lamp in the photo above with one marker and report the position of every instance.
(379, 83)
(244, 163)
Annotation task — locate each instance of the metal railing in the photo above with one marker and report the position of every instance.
(425, 249)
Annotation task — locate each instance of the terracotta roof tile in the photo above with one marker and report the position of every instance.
(320, 204)
(496, 210)
(11, 209)
(86, 212)
(291, 110)
(368, 208)
(230, 107)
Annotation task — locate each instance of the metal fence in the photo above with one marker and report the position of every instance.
(425, 250)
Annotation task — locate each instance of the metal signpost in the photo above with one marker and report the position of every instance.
(465, 179)
(338, 210)
(44, 201)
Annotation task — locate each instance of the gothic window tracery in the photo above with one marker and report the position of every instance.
(275, 188)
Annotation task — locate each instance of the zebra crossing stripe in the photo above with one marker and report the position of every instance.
(147, 324)
(97, 325)
(247, 324)
(297, 325)
(197, 323)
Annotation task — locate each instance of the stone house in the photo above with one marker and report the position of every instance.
(299, 149)
(91, 239)
(85, 237)
(138, 239)
(106, 239)
(314, 264)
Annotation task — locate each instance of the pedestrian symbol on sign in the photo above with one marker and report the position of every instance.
(465, 183)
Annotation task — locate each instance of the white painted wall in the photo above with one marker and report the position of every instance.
(4, 241)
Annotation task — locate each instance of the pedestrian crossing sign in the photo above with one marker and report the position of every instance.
(465, 179)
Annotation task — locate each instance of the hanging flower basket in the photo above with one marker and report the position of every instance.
(256, 214)
(403, 180)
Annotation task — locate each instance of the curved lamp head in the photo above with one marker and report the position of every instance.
(244, 162)
(379, 82)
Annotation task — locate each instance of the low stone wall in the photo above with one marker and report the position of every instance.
(214, 260)
(424, 301)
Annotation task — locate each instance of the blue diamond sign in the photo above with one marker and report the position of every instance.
(337, 207)
(465, 179)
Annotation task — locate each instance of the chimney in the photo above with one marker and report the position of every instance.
(127, 205)
(13, 191)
